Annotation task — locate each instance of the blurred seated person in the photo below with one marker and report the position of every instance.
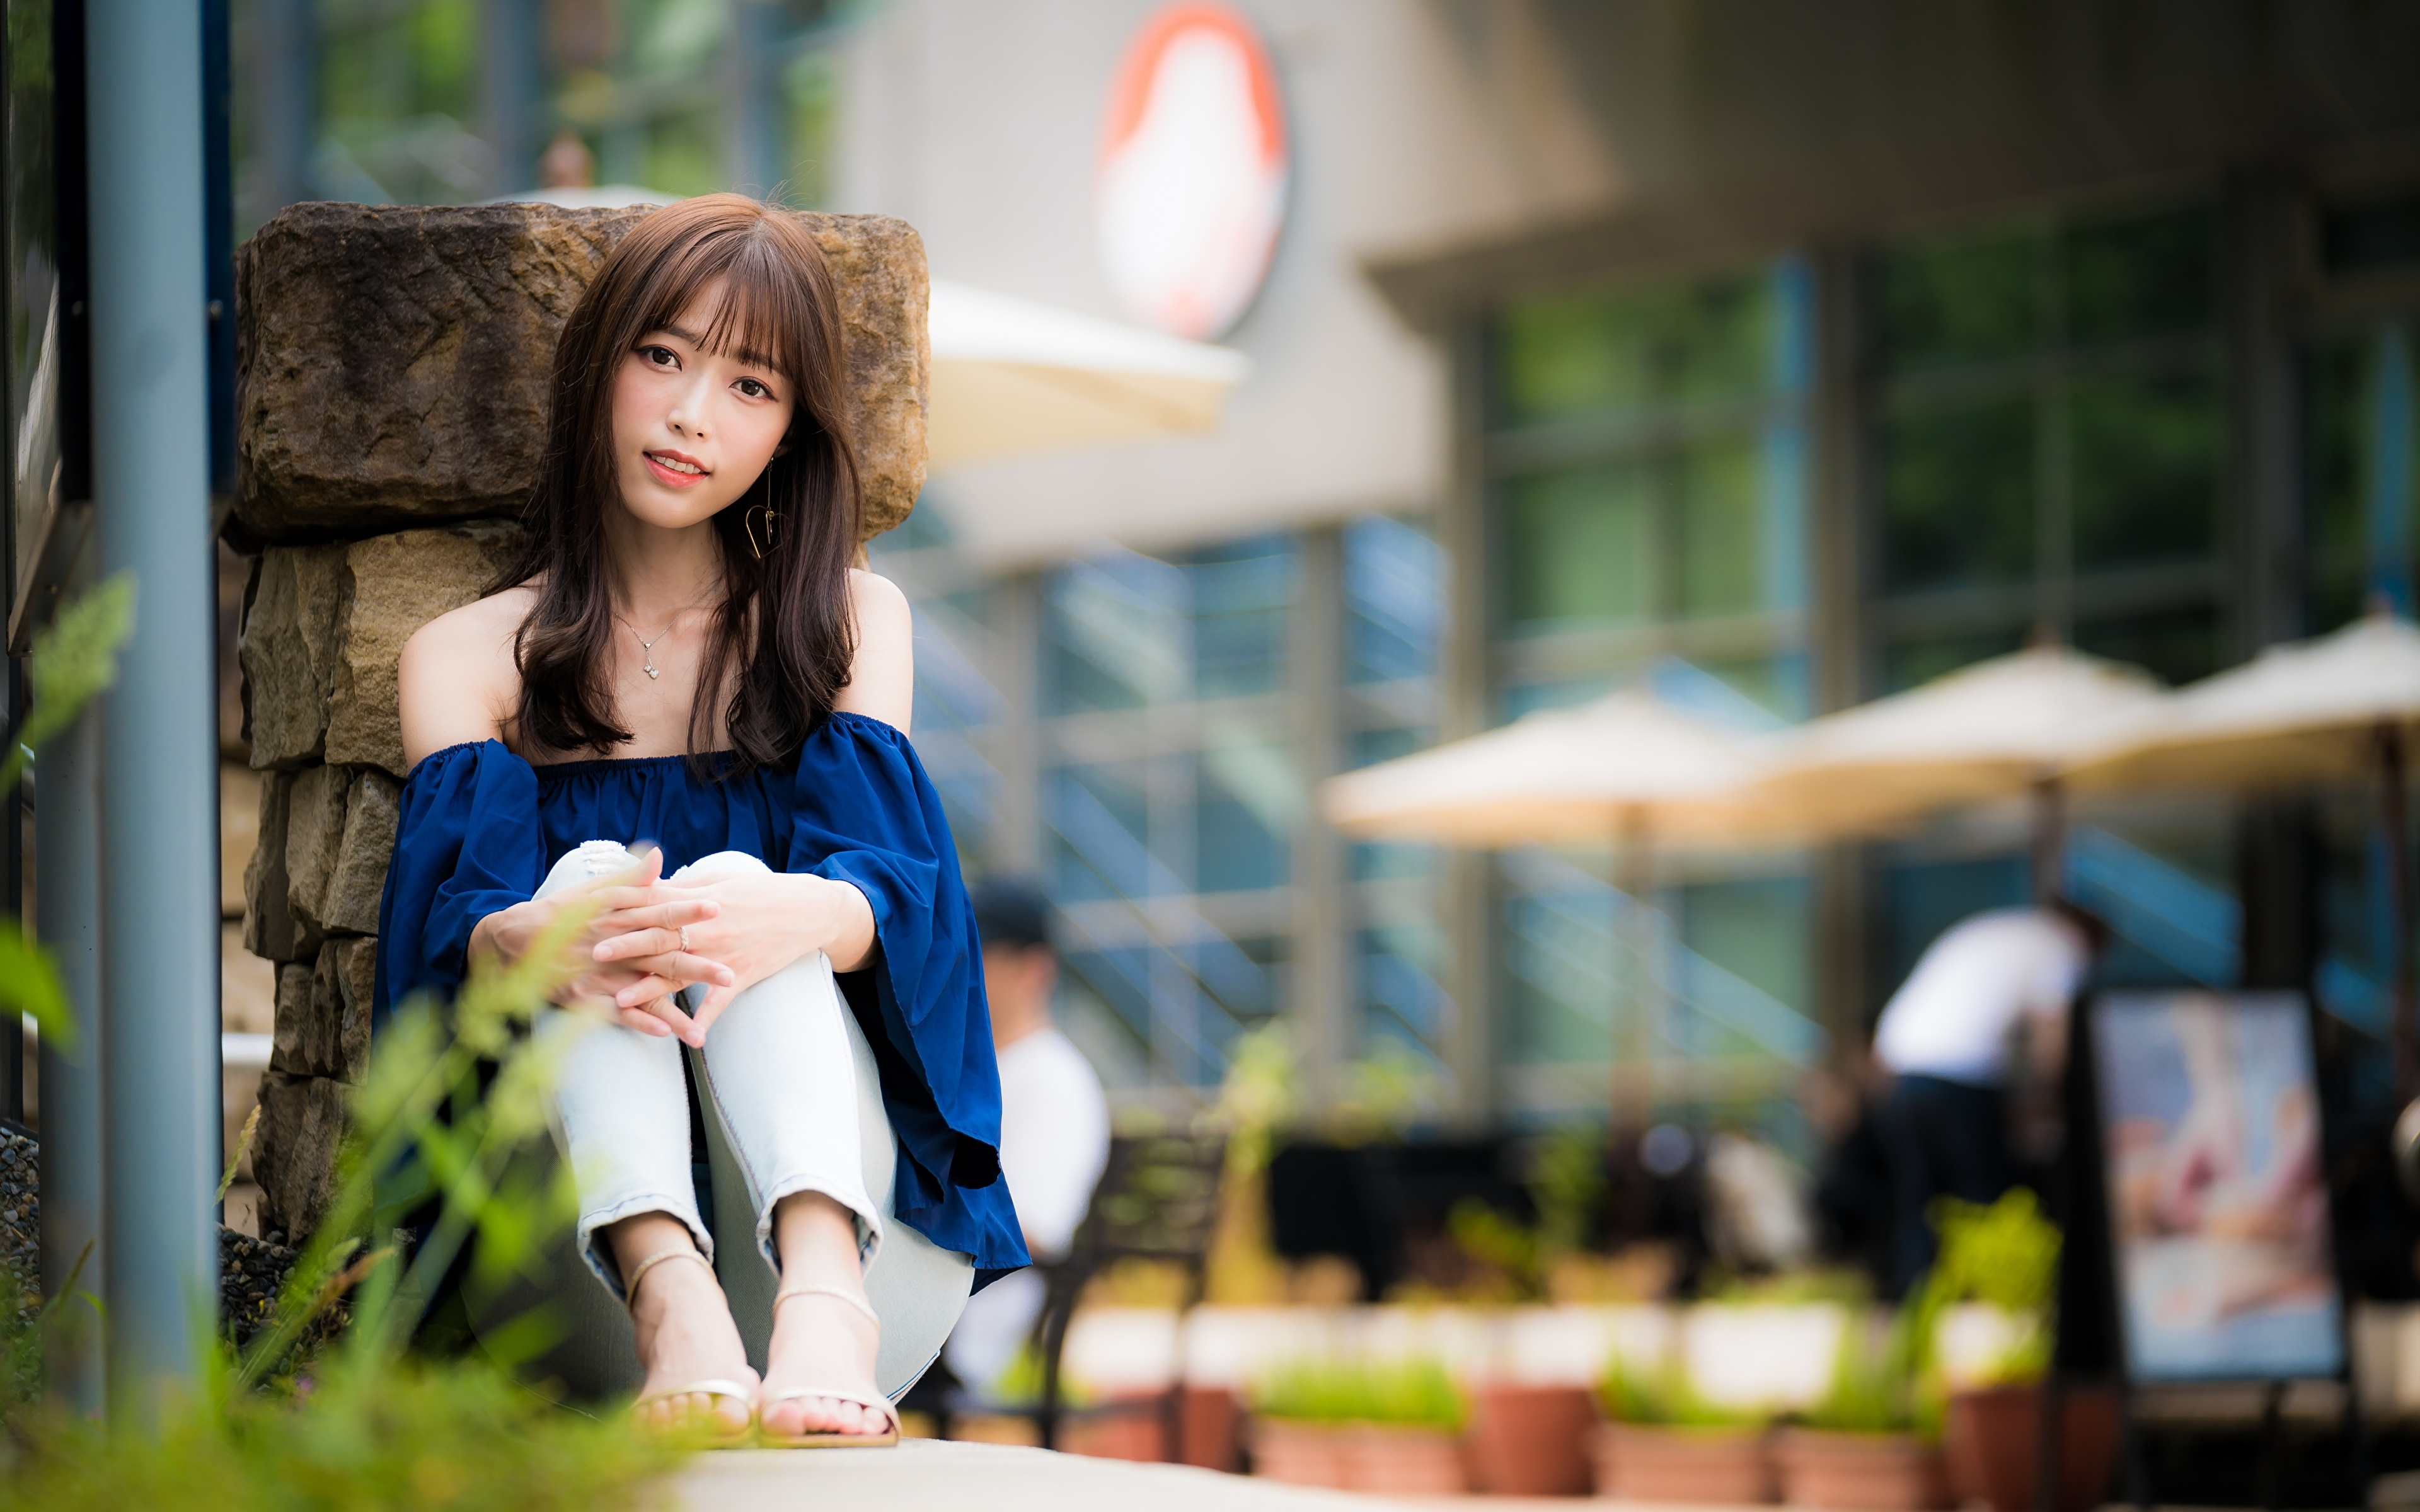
(1950, 1038)
(1054, 1123)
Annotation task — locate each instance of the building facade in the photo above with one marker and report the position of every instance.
(1770, 356)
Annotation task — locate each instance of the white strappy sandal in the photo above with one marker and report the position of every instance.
(727, 1436)
(796, 1394)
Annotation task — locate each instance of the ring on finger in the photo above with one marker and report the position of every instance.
(684, 939)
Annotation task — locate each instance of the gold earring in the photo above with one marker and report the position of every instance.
(748, 523)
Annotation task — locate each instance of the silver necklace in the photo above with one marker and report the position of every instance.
(647, 647)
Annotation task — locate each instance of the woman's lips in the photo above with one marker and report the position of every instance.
(672, 477)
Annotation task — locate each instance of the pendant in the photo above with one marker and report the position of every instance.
(652, 671)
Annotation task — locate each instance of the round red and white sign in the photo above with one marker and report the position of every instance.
(1192, 182)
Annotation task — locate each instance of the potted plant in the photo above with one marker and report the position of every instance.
(1298, 1416)
(2004, 1260)
(1407, 1435)
(1392, 1427)
(1873, 1441)
(1662, 1442)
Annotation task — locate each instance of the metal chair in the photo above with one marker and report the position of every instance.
(1158, 1200)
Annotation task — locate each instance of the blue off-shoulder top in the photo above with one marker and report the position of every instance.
(480, 829)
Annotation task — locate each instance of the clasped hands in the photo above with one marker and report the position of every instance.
(633, 956)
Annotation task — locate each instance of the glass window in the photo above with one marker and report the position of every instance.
(1578, 548)
(1650, 448)
(2049, 413)
(1602, 353)
(1958, 495)
(2363, 449)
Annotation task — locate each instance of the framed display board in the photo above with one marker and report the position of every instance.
(2218, 1206)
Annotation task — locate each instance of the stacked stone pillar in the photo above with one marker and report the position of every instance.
(392, 390)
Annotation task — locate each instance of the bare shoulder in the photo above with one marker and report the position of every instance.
(459, 680)
(882, 675)
(880, 608)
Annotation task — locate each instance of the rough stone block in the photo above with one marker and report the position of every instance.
(323, 1022)
(293, 1017)
(392, 360)
(397, 584)
(301, 1119)
(314, 834)
(270, 930)
(351, 906)
(288, 649)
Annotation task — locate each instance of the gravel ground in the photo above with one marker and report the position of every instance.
(249, 1270)
(21, 1217)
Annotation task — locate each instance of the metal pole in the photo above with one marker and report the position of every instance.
(67, 906)
(158, 817)
(2392, 819)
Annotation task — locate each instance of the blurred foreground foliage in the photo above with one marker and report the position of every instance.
(304, 1417)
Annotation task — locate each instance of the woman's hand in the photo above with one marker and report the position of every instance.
(755, 923)
(635, 905)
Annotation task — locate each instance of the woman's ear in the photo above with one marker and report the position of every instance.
(783, 450)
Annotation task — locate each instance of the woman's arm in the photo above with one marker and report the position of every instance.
(457, 679)
(882, 675)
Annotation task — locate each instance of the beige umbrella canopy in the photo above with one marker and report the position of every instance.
(2343, 706)
(2296, 713)
(1989, 730)
(1627, 768)
(1624, 765)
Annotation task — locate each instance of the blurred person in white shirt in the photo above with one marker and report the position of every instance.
(1054, 1122)
(1992, 987)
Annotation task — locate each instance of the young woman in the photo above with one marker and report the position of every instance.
(683, 660)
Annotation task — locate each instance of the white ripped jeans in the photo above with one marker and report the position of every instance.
(776, 1071)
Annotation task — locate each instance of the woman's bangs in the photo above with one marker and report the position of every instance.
(762, 316)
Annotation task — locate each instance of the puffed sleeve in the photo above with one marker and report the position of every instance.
(865, 813)
(468, 842)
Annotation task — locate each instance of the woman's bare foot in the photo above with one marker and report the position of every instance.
(819, 1340)
(685, 1335)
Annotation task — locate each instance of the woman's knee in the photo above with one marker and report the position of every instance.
(585, 862)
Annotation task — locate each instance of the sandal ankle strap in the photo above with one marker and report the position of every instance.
(638, 1272)
(806, 1288)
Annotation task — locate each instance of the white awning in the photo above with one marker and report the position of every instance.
(1011, 376)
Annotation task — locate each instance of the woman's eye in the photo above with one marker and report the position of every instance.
(754, 388)
(660, 356)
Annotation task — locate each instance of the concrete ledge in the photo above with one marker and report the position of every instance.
(928, 1475)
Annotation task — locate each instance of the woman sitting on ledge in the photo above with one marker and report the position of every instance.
(683, 660)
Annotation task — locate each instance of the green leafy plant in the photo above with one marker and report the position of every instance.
(74, 661)
(453, 1100)
(1884, 1385)
(1665, 1397)
(1410, 1393)
(2005, 1256)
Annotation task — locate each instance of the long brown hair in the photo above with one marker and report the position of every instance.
(780, 643)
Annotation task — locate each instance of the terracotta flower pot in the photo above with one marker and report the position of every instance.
(1209, 1427)
(1531, 1441)
(1299, 1453)
(1875, 1472)
(1404, 1460)
(1131, 1427)
(1638, 1464)
(1994, 1439)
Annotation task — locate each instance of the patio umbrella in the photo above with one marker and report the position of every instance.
(1990, 731)
(2343, 706)
(1627, 763)
(1010, 376)
(1627, 767)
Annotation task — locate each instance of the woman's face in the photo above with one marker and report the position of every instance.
(692, 429)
